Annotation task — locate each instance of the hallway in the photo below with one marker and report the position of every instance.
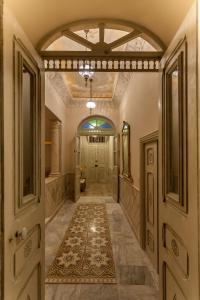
(136, 278)
(100, 150)
(97, 189)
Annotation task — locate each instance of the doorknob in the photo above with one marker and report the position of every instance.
(19, 235)
(22, 234)
(96, 165)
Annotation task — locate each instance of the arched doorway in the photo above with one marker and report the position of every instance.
(96, 170)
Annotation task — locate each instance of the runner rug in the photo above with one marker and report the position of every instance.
(85, 255)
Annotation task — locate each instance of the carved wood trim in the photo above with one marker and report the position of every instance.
(152, 137)
(101, 58)
(128, 26)
(126, 174)
(165, 269)
(179, 58)
(64, 61)
(176, 246)
(23, 57)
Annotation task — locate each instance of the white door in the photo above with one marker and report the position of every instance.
(179, 271)
(97, 163)
(91, 163)
(101, 162)
(151, 207)
(23, 184)
(115, 179)
(77, 169)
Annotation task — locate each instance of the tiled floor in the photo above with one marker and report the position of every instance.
(136, 277)
(98, 189)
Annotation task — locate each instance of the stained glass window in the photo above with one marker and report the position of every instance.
(97, 125)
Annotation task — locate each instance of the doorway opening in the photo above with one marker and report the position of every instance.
(98, 157)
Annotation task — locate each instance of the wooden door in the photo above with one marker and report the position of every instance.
(77, 174)
(101, 160)
(23, 182)
(91, 163)
(151, 202)
(97, 157)
(179, 271)
(115, 179)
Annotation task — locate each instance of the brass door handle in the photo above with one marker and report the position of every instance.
(19, 235)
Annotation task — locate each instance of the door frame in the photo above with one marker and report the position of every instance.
(149, 138)
(1, 157)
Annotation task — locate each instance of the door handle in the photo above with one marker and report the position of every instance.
(96, 165)
(19, 235)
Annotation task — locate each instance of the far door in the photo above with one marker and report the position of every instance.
(97, 163)
(23, 184)
(101, 162)
(77, 174)
(115, 178)
(151, 201)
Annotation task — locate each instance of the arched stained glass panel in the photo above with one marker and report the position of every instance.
(97, 125)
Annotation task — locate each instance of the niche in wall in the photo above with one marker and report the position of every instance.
(50, 119)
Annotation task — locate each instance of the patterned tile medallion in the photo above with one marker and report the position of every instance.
(85, 255)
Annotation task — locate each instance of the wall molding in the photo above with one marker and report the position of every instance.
(151, 137)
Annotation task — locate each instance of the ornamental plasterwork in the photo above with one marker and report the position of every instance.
(119, 84)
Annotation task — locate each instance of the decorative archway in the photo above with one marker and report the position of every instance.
(102, 55)
(96, 125)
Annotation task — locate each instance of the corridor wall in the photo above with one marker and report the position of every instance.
(139, 107)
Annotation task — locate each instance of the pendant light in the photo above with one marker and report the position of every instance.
(86, 73)
(91, 104)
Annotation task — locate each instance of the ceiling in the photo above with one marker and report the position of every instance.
(104, 84)
(38, 18)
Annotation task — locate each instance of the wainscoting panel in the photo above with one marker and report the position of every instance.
(130, 203)
(57, 190)
(55, 193)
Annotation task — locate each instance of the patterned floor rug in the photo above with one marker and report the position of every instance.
(85, 255)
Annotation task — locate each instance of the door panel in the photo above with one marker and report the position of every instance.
(151, 201)
(91, 162)
(24, 210)
(101, 160)
(77, 178)
(97, 158)
(115, 179)
(179, 277)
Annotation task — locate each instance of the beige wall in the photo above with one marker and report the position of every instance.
(71, 118)
(139, 107)
(55, 104)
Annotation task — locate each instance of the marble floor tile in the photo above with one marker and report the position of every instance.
(98, 189)
(137, 292)
(136, 277)
(99, 292)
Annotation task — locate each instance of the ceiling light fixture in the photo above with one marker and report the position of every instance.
(86, 73)
(91, 104)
